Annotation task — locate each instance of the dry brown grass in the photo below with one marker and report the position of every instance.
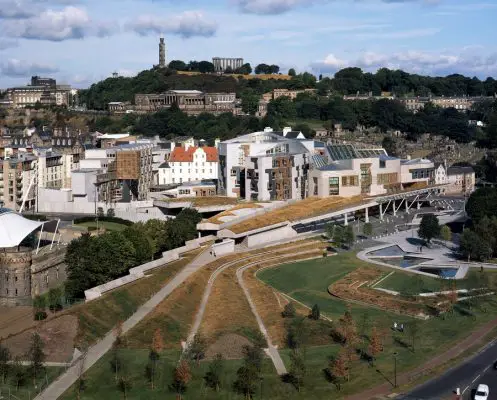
(307, 208)
(206, 201)
(270, 304)
(216, 219)
(228, 309)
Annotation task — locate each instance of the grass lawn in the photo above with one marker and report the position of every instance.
(99, 316)
(408, 284)
(27, 390)
(308, 281)
(109, 226)
(101, 382)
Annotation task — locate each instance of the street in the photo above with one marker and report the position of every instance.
(466, 377)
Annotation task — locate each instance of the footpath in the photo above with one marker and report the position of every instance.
(68, 378)
(408, 377)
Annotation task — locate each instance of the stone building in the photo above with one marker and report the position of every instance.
(193, 102)
(222, 63)
(31, 259)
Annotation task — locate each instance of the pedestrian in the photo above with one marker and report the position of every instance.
(395, 326)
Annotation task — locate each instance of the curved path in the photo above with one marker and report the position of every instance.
(272, 350)
(95, 352)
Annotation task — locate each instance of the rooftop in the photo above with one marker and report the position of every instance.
(348, 151)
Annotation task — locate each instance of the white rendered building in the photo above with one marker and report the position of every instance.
(348, 171)
(189, 164)
(265, 165)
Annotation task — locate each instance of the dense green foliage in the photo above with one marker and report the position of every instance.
(429, 227)
(94, 260)
(482, 203)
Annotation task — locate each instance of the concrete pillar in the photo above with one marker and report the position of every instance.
(345, 219)
(366, 217)
(394, 209)
(381, 212)
(407, 206)
(419, 205)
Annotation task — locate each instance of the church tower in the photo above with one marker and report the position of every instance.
(162, 53)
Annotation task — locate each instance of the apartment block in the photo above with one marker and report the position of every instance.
(265, 165)
(17, 182)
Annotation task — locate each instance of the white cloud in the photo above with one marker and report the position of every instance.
(414, 62)
(269, 7)
(16, 9)
(18, 68)
(407, 34)
(67, 23)
(186, 25)
(6, 44)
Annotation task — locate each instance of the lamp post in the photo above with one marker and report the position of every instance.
(395, 369)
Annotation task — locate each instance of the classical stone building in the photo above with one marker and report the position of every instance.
(31, 260)
(193, 102)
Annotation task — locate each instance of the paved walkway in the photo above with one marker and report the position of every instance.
(408, 377)
(272, 351)
(68, 378)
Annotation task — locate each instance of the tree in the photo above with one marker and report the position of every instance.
(291, 72)
(196, 350)
(111, 213)
(81, 382)
(4, 362)
(177, 65)
(124, 385)
(364, 323)
(249, 102)
(429, 227)
(389, 145)
(116, 362)
(36, 356)
(253, 356)
(339, 369)
(55, 299)
(228, 70)
(213, 376)
(100, 212)
(181, 378)
(247, 378)
(297, 332)
(18, 373)
(446, 233)
(154, 355)
(348, 236)
(413, 332)
(315, 313)
(297, 368)
(288, 311)
(367, 229)
(205, 67)
(39, 306)
(375, 346)
(474, 246)
(263, 69)
(245, 69)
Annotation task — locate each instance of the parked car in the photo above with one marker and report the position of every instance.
(482, 392)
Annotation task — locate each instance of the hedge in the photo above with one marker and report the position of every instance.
(104, 218)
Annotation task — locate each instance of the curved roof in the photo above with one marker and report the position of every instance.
(14, 228)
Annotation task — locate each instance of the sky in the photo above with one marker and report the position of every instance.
(80, 42)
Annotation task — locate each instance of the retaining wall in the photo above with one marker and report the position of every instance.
(139, 271)
(225, 247)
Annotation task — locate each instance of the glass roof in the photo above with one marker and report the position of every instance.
(349, 151)
(5, 210)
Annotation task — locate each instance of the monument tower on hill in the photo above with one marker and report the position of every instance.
(162, 53)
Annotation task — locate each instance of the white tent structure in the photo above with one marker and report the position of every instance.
(14, 228)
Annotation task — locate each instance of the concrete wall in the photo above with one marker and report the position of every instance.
(285, 232)
(139, 271)
(225, 247)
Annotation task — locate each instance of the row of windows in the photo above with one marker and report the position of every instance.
(385, 179)
(350, 180)
(175, 171)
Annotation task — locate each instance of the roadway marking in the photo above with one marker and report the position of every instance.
(464, 391)
(477, 377)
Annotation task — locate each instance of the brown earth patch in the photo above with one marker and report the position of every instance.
(14, 320)
(229, 345)
(57, 334)
(354, 287)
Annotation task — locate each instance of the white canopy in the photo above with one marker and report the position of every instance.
(14, 228)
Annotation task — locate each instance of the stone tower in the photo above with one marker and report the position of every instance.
(162, 53)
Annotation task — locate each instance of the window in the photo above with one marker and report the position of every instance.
(334, 186)
(383, 164)
(386, 179)
(350, 180)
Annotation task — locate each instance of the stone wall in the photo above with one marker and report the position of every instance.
(15, 278)
(48, 270)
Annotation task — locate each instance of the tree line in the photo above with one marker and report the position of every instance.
(94, 260)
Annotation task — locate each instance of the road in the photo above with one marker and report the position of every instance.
(68, 378)
(466, 376)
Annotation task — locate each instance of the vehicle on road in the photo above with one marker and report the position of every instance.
(482, 392)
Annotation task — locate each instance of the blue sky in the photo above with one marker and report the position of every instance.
(83, 41)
